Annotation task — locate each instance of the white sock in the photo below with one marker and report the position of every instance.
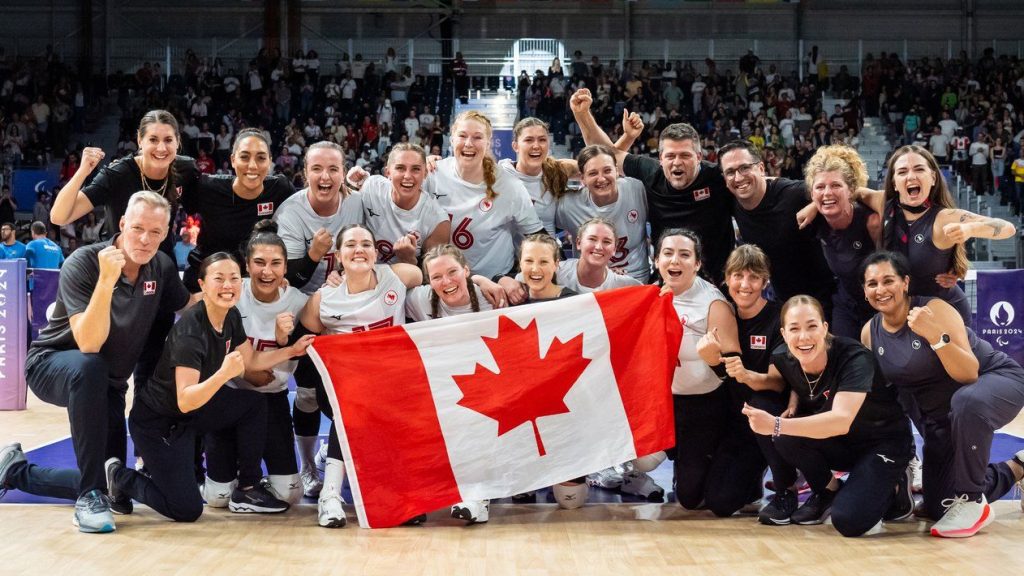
(334, 476)
(287, 487)
(218, 494)
(307, 451)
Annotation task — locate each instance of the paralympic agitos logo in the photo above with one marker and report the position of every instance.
(1002, 315)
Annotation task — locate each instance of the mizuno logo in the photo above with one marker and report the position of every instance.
(884, 459)
(371, 212)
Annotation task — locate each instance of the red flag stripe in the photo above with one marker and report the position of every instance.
(644, 381)
(402, 469)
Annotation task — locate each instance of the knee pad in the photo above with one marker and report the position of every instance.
(287, 487)
(649, 462)
(305, 400)
(218, 494)
(570, 495)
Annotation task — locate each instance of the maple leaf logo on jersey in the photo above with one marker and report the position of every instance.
(265, 209)
(702, 194)
(149, 287)
(632, 216)
(526, 386)
(390, 297)
(758, 342)
(486, 204)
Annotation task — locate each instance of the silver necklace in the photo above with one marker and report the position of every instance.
(812, 384)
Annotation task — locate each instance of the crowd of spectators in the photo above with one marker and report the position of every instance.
(366, 106)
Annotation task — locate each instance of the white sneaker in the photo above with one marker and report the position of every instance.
(330, 513)
(963, 517)
(320, 460)
(917, 478)
(311, 483)
(473, 512)
(640, 484)
(609, 479)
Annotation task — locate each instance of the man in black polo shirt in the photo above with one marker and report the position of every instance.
(682, 189)
(765, 211)
(108, 296)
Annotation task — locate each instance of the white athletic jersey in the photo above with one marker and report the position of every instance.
(567, 277)
(417, 304)
(259, 320)
(341, 312)
(484, 229)
(297, 223)
(692, 375)
(543, 200)
(628, 213)
(388, 222)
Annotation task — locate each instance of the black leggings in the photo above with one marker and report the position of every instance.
(279, 449)
(874, 464)
(306, 375)
(235, 424)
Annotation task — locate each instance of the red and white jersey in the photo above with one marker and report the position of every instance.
(417, 304)
(388, 222)
(260, 320)
(692, 375)
(567, 276)
(341, 312)
(628, 213)
(961, 143)
(543, 200)
(484, 228)
(297, 223)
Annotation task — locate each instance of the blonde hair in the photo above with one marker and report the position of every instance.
(553, 178)
(490, 165)
(838, 158)
(460, 258)
(799, 300)
(595, 221)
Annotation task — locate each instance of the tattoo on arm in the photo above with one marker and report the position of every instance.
(996, 226)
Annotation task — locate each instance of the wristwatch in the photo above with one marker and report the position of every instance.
(943, 340)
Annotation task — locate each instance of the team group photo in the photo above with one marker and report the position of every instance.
(558, 287)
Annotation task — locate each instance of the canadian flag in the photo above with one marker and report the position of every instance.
(502, 402)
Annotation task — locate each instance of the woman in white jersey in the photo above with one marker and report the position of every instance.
(701, 402)
(623, 201)
(308, 223)
(595, 241)
(488, 207)
(269, 308)
(450, 291)
(405, 221)
(371, 296)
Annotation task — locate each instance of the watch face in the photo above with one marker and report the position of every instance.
(945, 338)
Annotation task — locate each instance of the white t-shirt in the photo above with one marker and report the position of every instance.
(342, 313)
(297, 223)
(388, 222)
(484, 229)
(567, 276)
(628, 213)
(417, 304)
(543, 200)
(948, 127)
(260, 320)
(692, 375)
(938, 144)
(979, 154)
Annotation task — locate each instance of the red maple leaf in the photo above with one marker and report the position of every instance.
(526, 386)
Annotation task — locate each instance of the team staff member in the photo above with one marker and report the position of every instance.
(965, 391)
(923, 223)
(309, 221)
(370, 296)
(682, 190)
(765, 211)
(109, 294)
(187, 396)
(844, 416)
(701, 401)
(230, 205)
(620, 200)
(736, 481)
(269, 308)
(157, 167)
(405, 221)
(10, 247)
(488, 207)
(849, 231)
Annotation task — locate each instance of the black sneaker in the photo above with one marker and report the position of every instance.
(415, 520)
(902, 506)
(525, 498)
(779, 510)
(120, 503)
(815, 510)
(255, 500)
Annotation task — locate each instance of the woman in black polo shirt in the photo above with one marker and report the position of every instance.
(186, 396)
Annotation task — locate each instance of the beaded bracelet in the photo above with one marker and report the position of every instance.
(778, 428)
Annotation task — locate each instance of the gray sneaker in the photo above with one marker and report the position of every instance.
(9, 456)
(92, 513)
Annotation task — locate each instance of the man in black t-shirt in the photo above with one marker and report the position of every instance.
(107, 299)
(682, 189)
(765, 211)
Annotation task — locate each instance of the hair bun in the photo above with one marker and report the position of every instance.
(265, 225)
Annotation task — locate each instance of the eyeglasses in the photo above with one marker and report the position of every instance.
(742, 170)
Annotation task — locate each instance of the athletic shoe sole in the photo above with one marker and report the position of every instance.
(774, 521)
(910, 496)
(816, 521)
(253, 509)
(104, 529)
(984, 521)
(465, 514)
(333, 523)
